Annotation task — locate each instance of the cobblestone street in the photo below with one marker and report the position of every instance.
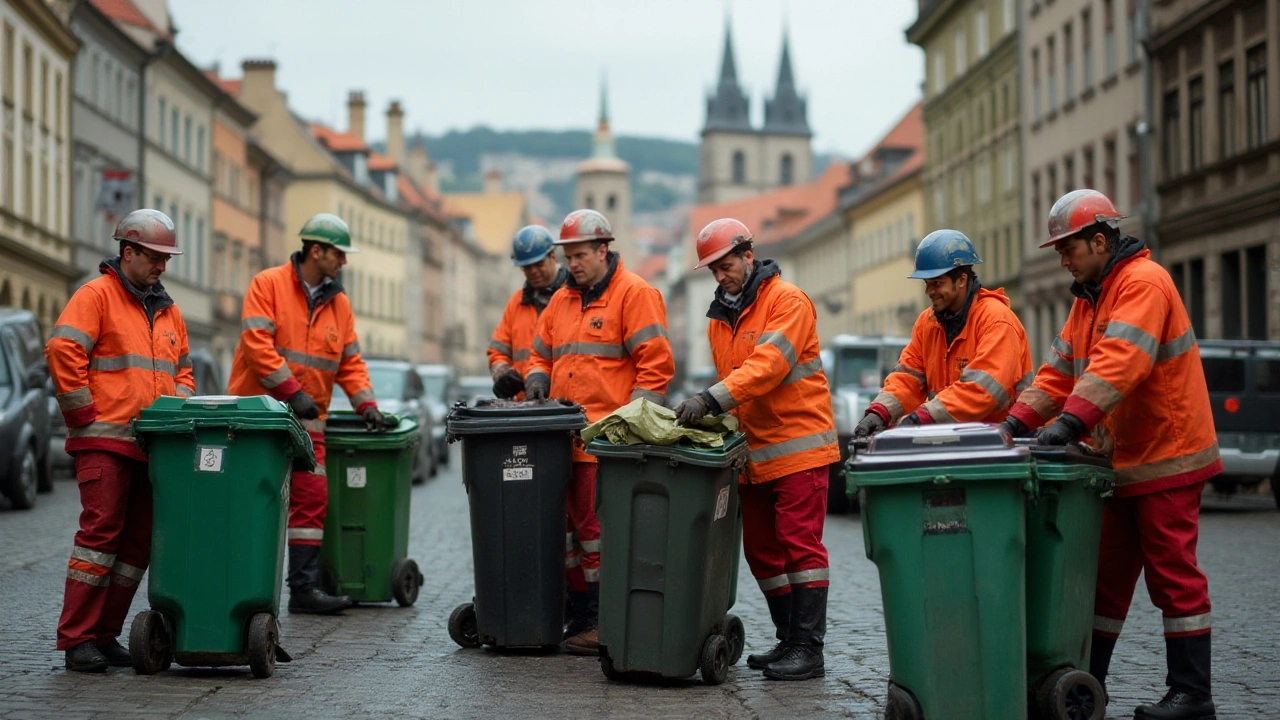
(385, 662)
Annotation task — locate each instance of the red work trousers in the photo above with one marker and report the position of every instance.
(782, 530)
(309, 499)
(112, 548)
(583, 526)
(1154, 534)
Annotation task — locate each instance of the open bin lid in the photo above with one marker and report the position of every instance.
(511, 416)
(933, 446)
(346, 429)
(733, 450)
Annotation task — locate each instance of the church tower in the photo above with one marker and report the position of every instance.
(604, 185)
(787, 156)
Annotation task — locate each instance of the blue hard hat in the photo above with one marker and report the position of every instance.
(531, 244)
(942, 251)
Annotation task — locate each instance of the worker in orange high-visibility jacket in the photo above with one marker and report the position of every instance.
(533, 251)
(601, 342)
(298, 338)
(968, 357)
(764, 343)
(119, 344)
(1125, 374)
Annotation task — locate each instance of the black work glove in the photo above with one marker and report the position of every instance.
(1065, 430)
(692, 410)
(508, 384)
(375, 420)
(870, 424)
(1015, 427)
(303, 406)
(536, 388)
(909, 420)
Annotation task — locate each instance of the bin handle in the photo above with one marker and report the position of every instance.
(941, 479)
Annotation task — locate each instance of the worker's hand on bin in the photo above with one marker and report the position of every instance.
(692, 410)
(870, 424)
(1015, 427)
(536, 389)
(508, 383)
(303, 406)
(375, 420)
(1065, 430)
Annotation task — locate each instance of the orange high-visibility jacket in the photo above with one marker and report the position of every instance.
(608, 353)
(975, 379)
(513, 338)
(1131, 364)
(286, 345)
(771, 378)
(109, 361)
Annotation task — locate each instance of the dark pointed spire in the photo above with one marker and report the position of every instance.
(786, 112)
(727, 107)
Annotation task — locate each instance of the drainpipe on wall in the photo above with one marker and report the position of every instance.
(1146, 132)
(161, 50)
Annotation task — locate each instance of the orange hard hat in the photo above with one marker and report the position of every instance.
(1076, 211)
(718, 238)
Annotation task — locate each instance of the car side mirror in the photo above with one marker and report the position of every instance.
(37, 377)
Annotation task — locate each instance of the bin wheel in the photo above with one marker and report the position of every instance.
(405, 581)
(462, 626)
(715, 660)
(902, 705)
(606, 667)
(737, 637)
(261, 643)
(1070, 694)
(149, 646)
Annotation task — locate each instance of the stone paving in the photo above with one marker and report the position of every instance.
(389, 662)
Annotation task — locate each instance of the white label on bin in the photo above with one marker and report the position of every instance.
(357, 477)
(519, 451)
(209, 459)
(722, 503)
(517, 473)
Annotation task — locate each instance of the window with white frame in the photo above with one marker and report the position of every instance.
(962, 59)
(980, 31)
(939, 72)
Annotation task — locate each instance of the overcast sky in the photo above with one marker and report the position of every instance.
(536, 64)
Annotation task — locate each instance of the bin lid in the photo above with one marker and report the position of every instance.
(345, 429)
(938, 445)
(508, 416)
(1074, 462)
(171, 414)
(733, 450)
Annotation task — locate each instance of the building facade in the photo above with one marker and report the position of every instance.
(1216, 160)
(603, 183)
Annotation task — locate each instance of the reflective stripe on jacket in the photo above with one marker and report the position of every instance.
(976, 379)
(1131, 364)
(607, 354)
(109, 361)
(285, 346)
(513, 338)
(772, 381)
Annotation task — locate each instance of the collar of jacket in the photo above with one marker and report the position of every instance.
(1130, 249)
(595, 292)
(540, 298)
(761, 272)
(153, 299)
(953, 322)
(328, 290)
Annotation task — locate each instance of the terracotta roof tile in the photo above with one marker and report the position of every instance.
(378, 161)
(124, 11)
(652, 267)
(336, 141)
(782, 213)
(229, 86)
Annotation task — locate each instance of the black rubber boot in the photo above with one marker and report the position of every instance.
(578, 622)
(115, 654)
(803, 658)
(780, 611)
(86, 658)
(305, 595)
(1190, 692)
(1100, 651)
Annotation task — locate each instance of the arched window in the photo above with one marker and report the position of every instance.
(6, 294)
(739, 168)
(26, 298)
(612, 202)
(786, 173)
(591, 202)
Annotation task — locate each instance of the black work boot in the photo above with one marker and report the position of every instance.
(803, 657)
(1189, 696)
(587, 642)
(1100, 651)
(115, 654)
(578, 622)
(305, 595)
(86, 657)
(780, 612)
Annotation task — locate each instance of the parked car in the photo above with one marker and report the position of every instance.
(471, 388)
(1244, 388)
(399, 391)
(24, 409)
(439, 382)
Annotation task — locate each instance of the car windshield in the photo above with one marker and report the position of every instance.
(388, 382)
(435, 385)
(858, 367)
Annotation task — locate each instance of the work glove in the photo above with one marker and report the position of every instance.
(1015, 427)
(303, 406)
(508, 384)
(870, 424)
(692, 410)
(375, 420)
(537, 388)
(1065, 430)
(909, 420)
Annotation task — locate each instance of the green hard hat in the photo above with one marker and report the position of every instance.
(329, 229)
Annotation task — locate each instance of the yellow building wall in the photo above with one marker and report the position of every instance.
(886, 230)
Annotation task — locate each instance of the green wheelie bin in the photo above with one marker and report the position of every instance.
(220, 469)
(670, 529)
(944, 520)
(1064, 528)
(365, 550)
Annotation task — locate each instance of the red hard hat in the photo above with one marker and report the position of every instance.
(151, 229)
(718, 238)
(584, 226)
(1078, 210)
